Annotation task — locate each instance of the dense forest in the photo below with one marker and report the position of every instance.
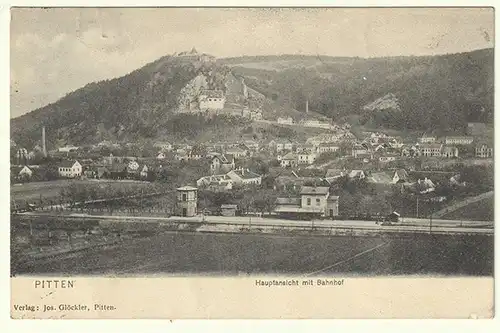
(434, 92)
(136, 106)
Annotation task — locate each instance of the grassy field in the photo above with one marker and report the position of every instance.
(246, 254)
(477, 211)
(50, 190)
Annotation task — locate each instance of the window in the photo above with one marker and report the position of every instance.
(309, 201)
(184, 197)
(318, 201)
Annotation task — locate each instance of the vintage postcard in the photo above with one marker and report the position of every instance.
(252, 163)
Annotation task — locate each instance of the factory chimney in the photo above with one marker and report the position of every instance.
(44, 146)
(307, 106)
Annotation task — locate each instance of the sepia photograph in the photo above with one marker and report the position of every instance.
(242, 142)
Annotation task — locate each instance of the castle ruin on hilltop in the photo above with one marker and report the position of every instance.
(193, 55)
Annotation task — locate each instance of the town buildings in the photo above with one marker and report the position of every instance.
(437, 150)
(430, 149)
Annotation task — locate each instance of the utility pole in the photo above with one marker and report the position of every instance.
(430, 224)
(417, 206)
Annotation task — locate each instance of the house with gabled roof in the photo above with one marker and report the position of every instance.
(313, 202)
(306, 157)
(211, 100)
(289, 160)
(400, 176)
(449, 151)
(70, 169)
(430, 149)
(222, 163)
(484, 150)
(21, 172)
(357, 174)
(251, 144)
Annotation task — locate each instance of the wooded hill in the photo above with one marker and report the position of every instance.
(433, 92)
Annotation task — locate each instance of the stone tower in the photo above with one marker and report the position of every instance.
(187, 201)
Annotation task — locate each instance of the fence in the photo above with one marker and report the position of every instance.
(288, 227)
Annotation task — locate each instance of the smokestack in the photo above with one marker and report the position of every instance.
(307, 106)
(44, 146)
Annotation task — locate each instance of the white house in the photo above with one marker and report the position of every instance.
(306, 158)
(70, 169)
(458, 140)
(144, 171)
(211, 100)
(286, 121)
(328, 147)
(400, 175)
(163, 146)
(484, 150)
(67, 149)
(160, 156)
(428, 139)
(289, 160)
(358, 174)
(25, 172)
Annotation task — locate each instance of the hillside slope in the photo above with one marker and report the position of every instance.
(433, 92)
(415, 93)
(135, 106)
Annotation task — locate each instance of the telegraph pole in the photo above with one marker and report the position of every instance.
(430, 224)
(417, 206)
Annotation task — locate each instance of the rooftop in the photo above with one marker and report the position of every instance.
(288, 201)
(67, 164)
(246, 174)
(333, 173)
(186, 188)
(229, 206)
(321, 190)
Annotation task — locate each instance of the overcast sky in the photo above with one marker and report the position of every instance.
(55, 51)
